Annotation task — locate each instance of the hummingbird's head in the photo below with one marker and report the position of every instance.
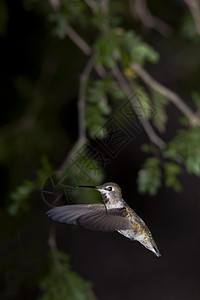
(111, 194)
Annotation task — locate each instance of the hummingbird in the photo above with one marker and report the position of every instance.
(113, 215)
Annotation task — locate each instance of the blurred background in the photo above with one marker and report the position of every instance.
(93, 92)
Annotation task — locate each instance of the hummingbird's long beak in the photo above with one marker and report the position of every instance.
(87, 186)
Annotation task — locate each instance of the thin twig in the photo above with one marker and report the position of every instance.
(154, 138)
(79, 41)
(70, 155)
(173, 97)
(194, 8)
(104, 6)
(139, 9)
(53, 245)
(92, 4)
(84, 47)
(81, 100)
(52, 237)
(55, 4)
(81, 113)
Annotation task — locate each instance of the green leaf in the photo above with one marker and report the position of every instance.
(183, 120)
(143, 106)
(192, 164)
(117, 93)
(85, 167)
(149, 177)
(97, 109)
(134, 49)
(44, 171)
(188, 28)
(171, 170)
(147, 148)
(104, 108)
(20, 198)
(143, 52)
(95, 121)
(160, 117)
(70, 10)
(107, 47)
(185, 147)
(62, 283)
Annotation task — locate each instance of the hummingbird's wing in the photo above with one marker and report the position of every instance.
(91, 216)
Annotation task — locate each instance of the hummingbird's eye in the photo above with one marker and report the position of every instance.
(109, 188)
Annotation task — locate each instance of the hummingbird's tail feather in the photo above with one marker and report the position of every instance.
(157, 252)
(152, 245)
(147, 241)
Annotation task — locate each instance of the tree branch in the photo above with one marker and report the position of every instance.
(52, 237)
(78, 41)
(195, 11)
(173, 97)
(154, 138)
(84, 47)
(104, 6)
(140, 10)
(81, 113)
(116, 72)
(92, 4)
(71, 153)
(55, 4)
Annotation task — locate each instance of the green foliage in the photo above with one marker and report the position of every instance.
(149, 177)
(196, 99)
(21, 198)
(85, 166)
(62, 283)
(147, 148)
(117, 44)
(101, 20)
(97, 109)
(69, 12)
(160, 116)
(45, 170)
(107, 46)
(23, 257)
(185, 147)
(3, 17)
(171, 170)
(61, 24)
(134, 49)
(143, 106)
(188, 28)
(184, 121)
(95, 120)
(117, 94)
(34, 127)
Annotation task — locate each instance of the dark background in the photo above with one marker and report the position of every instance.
(40, 77)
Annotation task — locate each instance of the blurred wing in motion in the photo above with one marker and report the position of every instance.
(91, 216)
